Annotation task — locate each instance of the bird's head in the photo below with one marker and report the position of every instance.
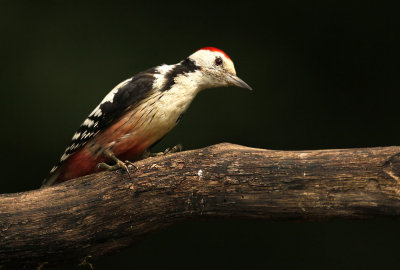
(217, 68)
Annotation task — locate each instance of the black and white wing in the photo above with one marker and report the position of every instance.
(110, 108)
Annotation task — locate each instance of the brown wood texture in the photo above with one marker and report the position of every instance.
(107, 211)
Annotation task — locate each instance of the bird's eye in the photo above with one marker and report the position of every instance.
(218, 61)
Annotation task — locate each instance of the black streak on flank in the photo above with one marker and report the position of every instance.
(186, 66)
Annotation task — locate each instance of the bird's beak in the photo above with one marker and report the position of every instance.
(234, 80)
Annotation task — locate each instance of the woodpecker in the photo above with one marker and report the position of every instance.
(139, 111)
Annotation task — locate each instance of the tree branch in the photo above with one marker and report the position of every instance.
(104, 212)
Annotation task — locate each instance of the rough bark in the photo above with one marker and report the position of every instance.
(104, 212)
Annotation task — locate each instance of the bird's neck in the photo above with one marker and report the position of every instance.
(183, 91)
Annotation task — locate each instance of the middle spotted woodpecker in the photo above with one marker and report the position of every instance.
(140, 111)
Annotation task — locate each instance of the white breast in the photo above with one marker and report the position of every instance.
(175, 101)
(162, 109)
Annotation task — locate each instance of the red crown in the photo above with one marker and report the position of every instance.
(215, 50)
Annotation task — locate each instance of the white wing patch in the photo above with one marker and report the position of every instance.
(76, 136)
(111, 94)
(96, 112)
(53, 169)
(88, 122)
(64, 157)
(160, 77)
(108, 98)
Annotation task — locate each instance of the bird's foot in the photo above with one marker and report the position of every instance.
(119, 164)
(175, 149)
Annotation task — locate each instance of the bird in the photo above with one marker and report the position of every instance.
(139, 112)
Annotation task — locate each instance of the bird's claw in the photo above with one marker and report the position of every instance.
(127, 162)
(118, 164)
(175, 149)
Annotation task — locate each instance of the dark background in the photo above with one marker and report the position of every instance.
(324, 73)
